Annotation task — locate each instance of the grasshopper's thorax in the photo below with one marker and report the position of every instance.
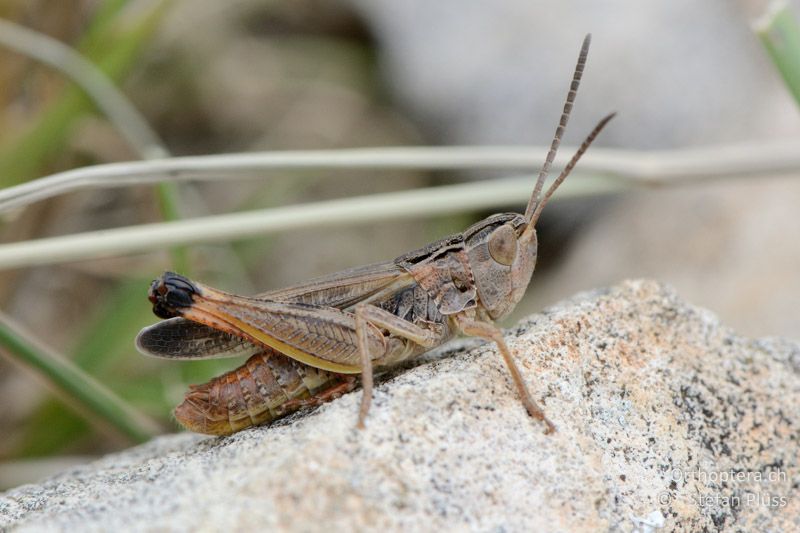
(502, 258)
(486, 268)
(442, 269)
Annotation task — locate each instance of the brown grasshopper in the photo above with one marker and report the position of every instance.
(308, 342)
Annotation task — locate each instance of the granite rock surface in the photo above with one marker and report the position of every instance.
(667, 420)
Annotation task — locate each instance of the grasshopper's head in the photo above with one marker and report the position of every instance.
(502, 248)
(501, 262)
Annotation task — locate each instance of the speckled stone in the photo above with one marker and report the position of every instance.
(666, 421)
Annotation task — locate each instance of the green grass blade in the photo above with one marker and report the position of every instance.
(80, 389)
(779, 32)
(23, 157)
(98, 28)
(46, 139)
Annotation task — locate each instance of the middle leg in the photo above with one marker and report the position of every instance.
(370, 314)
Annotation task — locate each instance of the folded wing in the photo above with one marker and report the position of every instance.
(178, 338)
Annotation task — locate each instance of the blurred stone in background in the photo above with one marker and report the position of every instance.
(680, 73)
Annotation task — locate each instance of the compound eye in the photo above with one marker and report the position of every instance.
(503, 245)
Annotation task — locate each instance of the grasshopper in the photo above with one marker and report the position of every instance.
(307, 343)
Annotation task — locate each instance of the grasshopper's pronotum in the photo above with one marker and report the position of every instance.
(308, 342)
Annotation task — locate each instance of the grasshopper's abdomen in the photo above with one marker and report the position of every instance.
(267, 387)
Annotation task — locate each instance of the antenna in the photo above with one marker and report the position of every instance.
(551, 155)
(567, 169)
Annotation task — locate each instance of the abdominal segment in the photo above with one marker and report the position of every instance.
(267, 387)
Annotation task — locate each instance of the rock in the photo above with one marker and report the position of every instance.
(666, 419)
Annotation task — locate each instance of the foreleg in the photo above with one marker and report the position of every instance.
(491, 332)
